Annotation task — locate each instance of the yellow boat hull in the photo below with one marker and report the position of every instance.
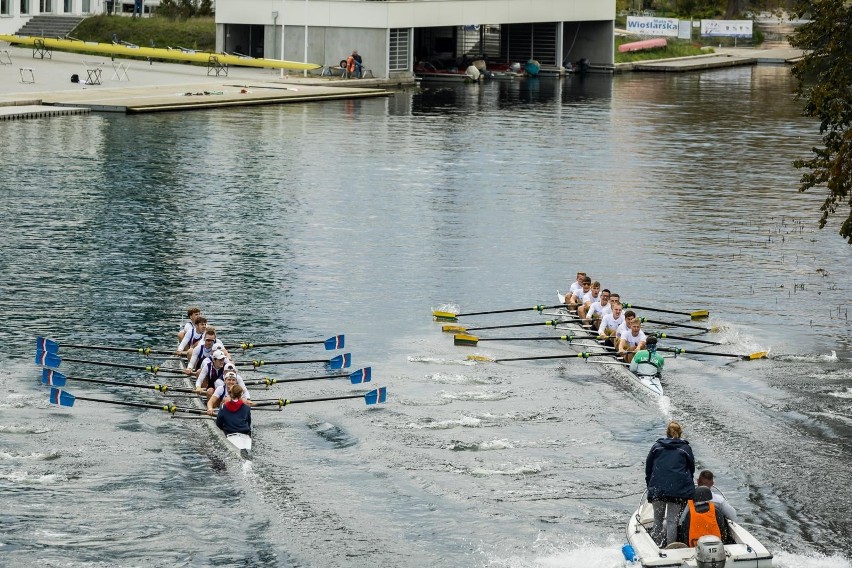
(111, 49)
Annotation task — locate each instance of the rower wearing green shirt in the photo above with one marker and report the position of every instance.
(647, 362)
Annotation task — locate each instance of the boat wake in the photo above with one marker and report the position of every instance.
(446, 379)
(437, 361)
(810, 357)
(475, 396)
(523, 469)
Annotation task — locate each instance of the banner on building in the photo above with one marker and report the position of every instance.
(726, 28)
(643, 25)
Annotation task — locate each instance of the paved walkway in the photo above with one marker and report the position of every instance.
(722, 57)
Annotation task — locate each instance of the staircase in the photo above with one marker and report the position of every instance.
(50, 25)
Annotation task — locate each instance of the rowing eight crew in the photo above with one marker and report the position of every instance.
(602, 310)
(215, 374)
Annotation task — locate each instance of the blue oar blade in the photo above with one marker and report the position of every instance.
(336, 342)
(46, 359)
(45, 344)
(376, 395)
(341, 361)
(53, 378)
(361, 376)
(60, 397)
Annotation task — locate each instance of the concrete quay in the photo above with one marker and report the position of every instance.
(135, 86)
(723, 57)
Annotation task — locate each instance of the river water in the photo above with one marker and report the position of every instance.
(359, 217)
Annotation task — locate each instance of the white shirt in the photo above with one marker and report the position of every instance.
(187, 327)
(590, 298)
(723, 505)
(205, 369)
(200, 350)
(220, 389)
(633, 340)
(609, 322)
(184, 343)
(596, 308)
(576, 288)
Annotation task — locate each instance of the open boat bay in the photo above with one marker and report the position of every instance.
(359, 217)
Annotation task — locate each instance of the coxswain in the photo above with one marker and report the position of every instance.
(192, 314)
(204, 349)
(608, 329)
(633, 341)
(212, 369)
(234, 417)
(190, 340)
(222, 388)
(647, 362)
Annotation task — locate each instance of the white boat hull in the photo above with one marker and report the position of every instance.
(747, 552)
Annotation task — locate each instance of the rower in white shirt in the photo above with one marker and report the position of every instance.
(576, 286)
(224, 386)
(597, 309)
(609, 326)
(190, 340)
(576, 299)
(589, 298)
(632, 341)
(212, 369)
(204, 349)
(192, 314)
(629, 316)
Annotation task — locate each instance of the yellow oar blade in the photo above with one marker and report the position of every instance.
(481, 358)
(464, 339)
(699, 314)
(758, 355)
(444, 316)
(453, 328)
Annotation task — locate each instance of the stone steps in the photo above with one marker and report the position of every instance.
(48, 25)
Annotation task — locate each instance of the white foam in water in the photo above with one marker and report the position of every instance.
(665, 405)
(588, 556)
(842, 394)
(14, 429)
(463, 422)
(524, 469)
(475, 395)
(811, 357)
(482, 446)
(446, 379)
(450, 308)
(790, 560)
(427, 359)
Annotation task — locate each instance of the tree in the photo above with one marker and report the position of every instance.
(825, 84)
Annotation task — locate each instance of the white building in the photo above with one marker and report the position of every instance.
(393, 35)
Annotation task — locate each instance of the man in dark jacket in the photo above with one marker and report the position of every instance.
(669, 469)
(701, 517)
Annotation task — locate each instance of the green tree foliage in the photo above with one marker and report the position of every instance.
(825, 84)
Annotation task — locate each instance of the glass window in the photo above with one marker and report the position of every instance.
(399, 49)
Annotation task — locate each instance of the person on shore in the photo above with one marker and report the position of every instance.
(192, 314)
(669, 468)
(138, 8)
(701, 517)
(234, 416)
(705, 479)
(647, 362)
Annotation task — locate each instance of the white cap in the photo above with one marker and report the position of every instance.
(230, 374)
(230, 367)
(218, 354)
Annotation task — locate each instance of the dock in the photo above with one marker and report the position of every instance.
(721, 58)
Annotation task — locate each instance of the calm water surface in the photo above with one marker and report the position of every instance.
(358, 217)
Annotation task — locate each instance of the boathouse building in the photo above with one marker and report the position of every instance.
(392, 36)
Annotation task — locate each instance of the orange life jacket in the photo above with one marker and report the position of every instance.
(701, 524)
(350, 64)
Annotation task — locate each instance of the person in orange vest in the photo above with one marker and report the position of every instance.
(701, 517)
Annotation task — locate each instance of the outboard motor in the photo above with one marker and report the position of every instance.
(582, 66)
(710, 552)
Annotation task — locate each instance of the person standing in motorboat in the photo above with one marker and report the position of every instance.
(647, 362)
(705, 479)
(669, 468)
(701, 518)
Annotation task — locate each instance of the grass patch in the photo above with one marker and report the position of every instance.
(194, 33)
(675, 48)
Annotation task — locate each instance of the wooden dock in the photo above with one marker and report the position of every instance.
(33, 109)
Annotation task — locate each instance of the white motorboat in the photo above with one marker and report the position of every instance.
(745, 552)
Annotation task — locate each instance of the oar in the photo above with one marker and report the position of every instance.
(52, 346)
(674, 324)
(697, 314)
(464, 339)
(463, 329)
(662, 335)
(582, 355)
(52, 360)
(57, 379)
(340, 362)
(371, 397)
(681, 351)
(336, 342)
(450, 316)
(65, 398)
(360, 376)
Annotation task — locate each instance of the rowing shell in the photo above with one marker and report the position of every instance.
(239, 444)
(188, 55)
(650, 385)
